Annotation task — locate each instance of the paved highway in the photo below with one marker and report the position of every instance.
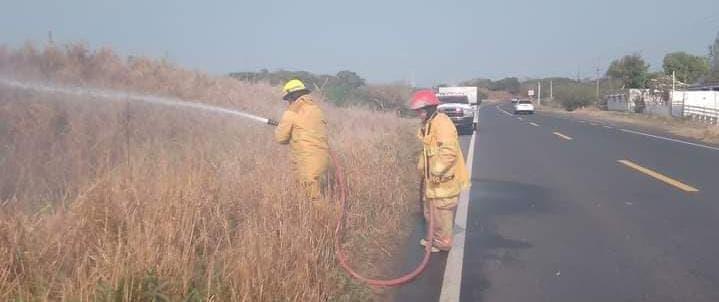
(563, 209)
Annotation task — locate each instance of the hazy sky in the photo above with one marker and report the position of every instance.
(430, 41)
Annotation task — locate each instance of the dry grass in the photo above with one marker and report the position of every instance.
(686, 128)
(202, 209)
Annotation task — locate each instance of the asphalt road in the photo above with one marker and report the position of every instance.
(568, 210)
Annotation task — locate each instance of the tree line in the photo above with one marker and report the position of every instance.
(632, 71)
(346, 88)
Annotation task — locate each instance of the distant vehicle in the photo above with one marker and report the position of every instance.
(523, 106)
(461, 105)
(515, 100)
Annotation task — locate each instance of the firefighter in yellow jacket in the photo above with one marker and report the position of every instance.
(304, 128)
(441, 165)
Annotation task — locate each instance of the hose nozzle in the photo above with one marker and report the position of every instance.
(272, 122)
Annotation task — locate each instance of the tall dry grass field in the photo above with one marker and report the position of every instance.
(122, 201)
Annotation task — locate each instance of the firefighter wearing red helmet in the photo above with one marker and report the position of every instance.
(441, 165)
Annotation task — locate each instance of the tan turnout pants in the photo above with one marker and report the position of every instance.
(443, 220)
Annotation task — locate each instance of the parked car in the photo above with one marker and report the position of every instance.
(458, 109)
(524, 106)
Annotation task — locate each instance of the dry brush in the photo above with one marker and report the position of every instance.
(111, 200)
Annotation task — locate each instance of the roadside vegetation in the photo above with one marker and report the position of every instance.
(346, 88)
(493, 90)
(122, 201)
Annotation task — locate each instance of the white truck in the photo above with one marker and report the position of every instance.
(461, 105)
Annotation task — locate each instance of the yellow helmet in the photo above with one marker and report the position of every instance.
(292, 86)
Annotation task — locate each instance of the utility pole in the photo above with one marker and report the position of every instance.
(671, 95)
(597, 83)
(579, 79)
(539, 93)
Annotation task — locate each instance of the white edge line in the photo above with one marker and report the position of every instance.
(452, 281)
(670, 139)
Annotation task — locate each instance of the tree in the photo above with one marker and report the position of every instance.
(510, 85)
(688, 68)
(714, 60)
(389, 96)
(478, 82)
(350, 79)
(573, 95)
(631, 70)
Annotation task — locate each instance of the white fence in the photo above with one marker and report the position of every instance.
(698, 105)
(701, 105)
(617, 102)
(653, 102)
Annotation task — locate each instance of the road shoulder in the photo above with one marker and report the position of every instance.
(685, 129)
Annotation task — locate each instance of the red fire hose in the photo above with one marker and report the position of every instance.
(342, 257)
(339, 253)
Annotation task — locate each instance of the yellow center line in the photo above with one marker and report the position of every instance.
(563, 136)
(534, 124)
(666, 179)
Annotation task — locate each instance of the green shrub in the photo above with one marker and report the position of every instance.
(572, 96)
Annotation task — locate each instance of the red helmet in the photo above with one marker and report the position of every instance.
(423, 98)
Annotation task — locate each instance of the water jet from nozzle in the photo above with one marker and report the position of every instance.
(123, 96)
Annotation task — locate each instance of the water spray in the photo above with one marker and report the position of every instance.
(339, 176)
(122, 96)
